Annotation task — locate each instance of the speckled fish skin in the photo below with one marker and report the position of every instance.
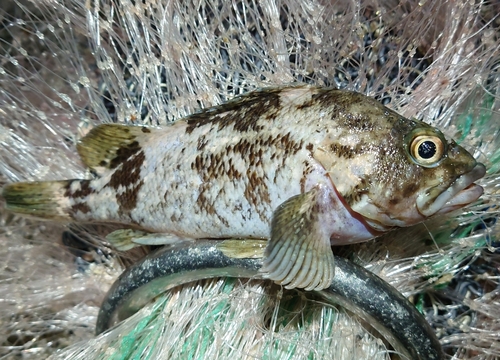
(303, 166)
(220, 173)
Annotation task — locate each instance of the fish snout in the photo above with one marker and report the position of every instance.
(461, 160)
(442, 199)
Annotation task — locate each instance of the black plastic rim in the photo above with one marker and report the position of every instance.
(353, 287)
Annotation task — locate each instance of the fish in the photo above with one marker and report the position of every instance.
(303, 167)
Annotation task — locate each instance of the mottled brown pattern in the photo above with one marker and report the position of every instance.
(78, 196)
(84, 190)
(122, 154)
(256, 191)
(129, 173)
(128, 199)
(349, 152)
(232, 172)
(305, 105)
(82, 207)
(336, 101)
(237, 164)
(289, 147)
(402, 125)
(203, 202)
(307, 170)
(356, 123)
(175, 218)
(128, 177)
(202, 142)
(395, 200)
(213, 166)
(145, 130)
(206, 205)
(359, 190)
(108, 145)
(409, 190)
(243, 114)
(344, 151)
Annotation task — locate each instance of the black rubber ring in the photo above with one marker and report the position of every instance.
(353, 287)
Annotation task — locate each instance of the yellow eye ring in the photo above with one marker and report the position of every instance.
(427, 150)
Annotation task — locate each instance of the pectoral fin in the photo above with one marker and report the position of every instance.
(299, 254)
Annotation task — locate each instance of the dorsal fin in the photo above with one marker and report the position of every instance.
(108, 145)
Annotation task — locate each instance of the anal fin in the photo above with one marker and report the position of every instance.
(299, 253)
(122, 239)
(126, 239)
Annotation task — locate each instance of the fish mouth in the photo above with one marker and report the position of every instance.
(461, 192)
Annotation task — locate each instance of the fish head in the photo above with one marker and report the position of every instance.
(394, 171)
(421, 175)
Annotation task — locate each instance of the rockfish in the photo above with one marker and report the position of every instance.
(304, 167)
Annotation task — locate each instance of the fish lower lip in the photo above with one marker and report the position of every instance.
(462, 198)
(462, 192)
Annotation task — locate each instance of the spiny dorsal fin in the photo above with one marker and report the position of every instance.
(108, 145)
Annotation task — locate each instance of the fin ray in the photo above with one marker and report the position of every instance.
(279, 251)
(299, 253)
(122, 239)
(107, 145)
(43, 199)
(126, 239)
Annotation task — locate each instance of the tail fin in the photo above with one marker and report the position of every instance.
(42, 199)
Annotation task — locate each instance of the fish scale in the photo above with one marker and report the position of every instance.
(305, 167)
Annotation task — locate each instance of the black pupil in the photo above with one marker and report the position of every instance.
(427, 150)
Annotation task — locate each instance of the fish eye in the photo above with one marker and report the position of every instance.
(427, 150)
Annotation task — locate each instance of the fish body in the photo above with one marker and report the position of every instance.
(305, 167)
(221, 173)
